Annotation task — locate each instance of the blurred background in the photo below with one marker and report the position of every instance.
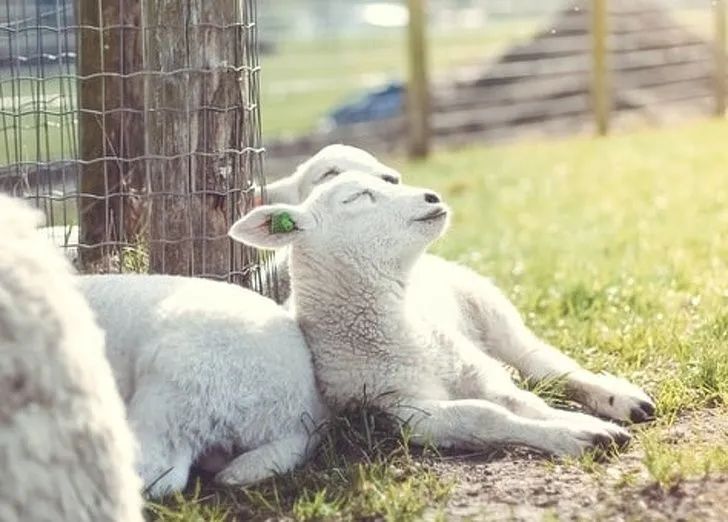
(335, 70)
(497, 69)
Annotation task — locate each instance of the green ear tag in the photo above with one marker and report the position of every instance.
(281, 223)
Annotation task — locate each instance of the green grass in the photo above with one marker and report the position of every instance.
(29, 135)
(615, 250)
(668, 465)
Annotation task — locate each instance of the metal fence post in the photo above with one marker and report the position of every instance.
(720, 58)
(418, 103)
(601, 100)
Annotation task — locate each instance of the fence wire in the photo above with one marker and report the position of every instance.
(135, 126)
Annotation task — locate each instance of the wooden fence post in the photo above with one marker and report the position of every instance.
(601, 99)
(720, 58)
(110, 127)
(195, 110)
(418, 103)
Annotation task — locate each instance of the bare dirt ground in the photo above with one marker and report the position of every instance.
(521, 486)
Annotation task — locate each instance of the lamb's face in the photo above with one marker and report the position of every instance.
(325, 166)
(356, 216)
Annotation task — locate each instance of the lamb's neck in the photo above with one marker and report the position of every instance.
(363, 302)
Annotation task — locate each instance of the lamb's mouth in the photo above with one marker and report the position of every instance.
(432, 215)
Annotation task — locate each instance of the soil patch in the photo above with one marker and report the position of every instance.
(519, 485)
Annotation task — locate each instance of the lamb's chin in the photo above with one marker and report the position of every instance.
(438, 228)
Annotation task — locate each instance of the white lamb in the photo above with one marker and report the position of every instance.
(324, 166)
(208, 371)
(375, 329)
(66, 452)
(485, 315)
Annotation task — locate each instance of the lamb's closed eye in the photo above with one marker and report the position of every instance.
(329, 174)
(358, 195)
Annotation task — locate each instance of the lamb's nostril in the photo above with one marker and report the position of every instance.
(390, 179)
(431, 197)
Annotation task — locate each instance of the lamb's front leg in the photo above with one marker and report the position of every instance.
(485, 378)
(474, 424)
(500, 330)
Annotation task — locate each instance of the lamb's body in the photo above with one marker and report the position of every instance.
(206, 366)
(66, 452)
(402, 348)
(374, 329)
(470, 304)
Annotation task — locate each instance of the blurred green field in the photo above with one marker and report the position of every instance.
(303, 80)
(615, 250)
(37, 120)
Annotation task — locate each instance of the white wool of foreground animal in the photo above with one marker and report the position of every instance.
(66, 452)
(211, 373)
(483, 314)
(373, 326)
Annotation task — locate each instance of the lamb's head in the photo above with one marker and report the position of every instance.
(356, 219)
(324, 166)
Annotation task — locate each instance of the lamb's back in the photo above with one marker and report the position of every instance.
(210, 339)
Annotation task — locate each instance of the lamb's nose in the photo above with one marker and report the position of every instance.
(390, 179)
(431, 197)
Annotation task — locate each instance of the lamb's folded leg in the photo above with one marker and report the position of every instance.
(166, 456)
(474, 424)
(278, 456)
(500, 331)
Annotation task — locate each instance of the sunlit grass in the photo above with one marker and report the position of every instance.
(668, 465)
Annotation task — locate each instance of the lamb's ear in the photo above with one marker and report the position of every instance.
(284, 190)
(271, 226)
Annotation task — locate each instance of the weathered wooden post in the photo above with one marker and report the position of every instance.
(418, 103)
(194, 119)
(721, 71)
(600, 89)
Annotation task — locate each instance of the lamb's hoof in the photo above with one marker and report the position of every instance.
(643, 412)
(622, 440)
(614, 397)
(614, 442)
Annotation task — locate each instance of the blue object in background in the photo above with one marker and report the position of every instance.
(380, 104)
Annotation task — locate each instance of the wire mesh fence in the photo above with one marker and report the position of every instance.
(499, 70)
(135, 126)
